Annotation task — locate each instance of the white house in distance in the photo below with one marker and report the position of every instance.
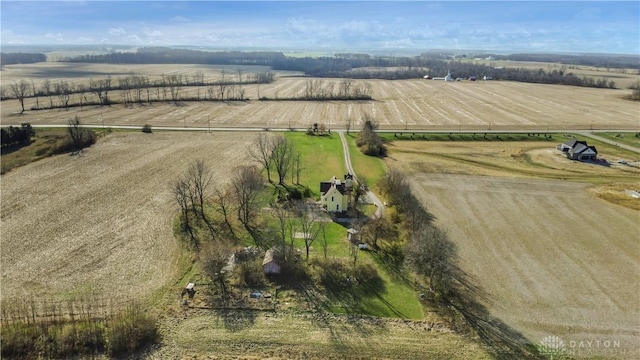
(334, 194)
(446, 78)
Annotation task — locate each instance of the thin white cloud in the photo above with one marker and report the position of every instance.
(117, 31)
(57, 37)
(179, 19)
(152, 33)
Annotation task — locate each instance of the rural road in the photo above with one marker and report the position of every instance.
(599, 138)
(370, 195)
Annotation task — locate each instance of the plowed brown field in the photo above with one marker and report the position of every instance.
(101, 222)
(412, 104)
(555, 260)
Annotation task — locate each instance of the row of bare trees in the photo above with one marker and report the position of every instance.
(133, 89)
(344, 90)
(196, 193)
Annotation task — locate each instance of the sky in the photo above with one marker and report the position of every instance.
(500, 26)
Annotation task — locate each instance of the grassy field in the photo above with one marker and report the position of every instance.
(321, 156)
(369, 168)
(554, 258)
(406, 104)
(248, 335)
(623, 138)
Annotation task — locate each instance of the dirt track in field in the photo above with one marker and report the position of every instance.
(554, 259)
(411, 104)
(101, 223)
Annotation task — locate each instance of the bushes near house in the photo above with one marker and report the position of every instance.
(369, 142)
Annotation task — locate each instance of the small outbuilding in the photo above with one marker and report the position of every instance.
(352, 235)
(270, 264)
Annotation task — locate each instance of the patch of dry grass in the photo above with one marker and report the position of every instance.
(267, 335)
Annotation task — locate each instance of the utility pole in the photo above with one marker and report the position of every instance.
(209, 121)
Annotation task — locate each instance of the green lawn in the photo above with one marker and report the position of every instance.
(622, 138)
(394, 298)
(369, 168)
(322, 158)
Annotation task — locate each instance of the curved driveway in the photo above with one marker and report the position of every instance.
(370, 195)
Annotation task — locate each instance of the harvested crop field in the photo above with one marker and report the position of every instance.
(403, 104)
(555, 260)
(101, 223)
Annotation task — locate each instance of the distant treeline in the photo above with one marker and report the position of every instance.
(161, 55)
(602, 61)
(375, 67)
(21, 58)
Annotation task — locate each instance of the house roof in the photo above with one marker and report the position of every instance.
(574, 142)
(325, 186)
(270, 256)
(581, 148)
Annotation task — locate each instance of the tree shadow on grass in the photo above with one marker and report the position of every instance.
(340, 327)
(237, 320)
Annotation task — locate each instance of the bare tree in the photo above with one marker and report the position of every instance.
(308, 224)
(368, 140)
(46, 87)
(20, 91)
(64, 91)
(200, 177)
(101, 89)
(376, 229)
(431, 253)
(262, 151)
(223, 199)
(222, 85)
(347, 124)
(180, 190)
(282, 157)
(325, 242)
(35, 94)
(77, 133)
(175, 83)
(215, 257)
(247, 184)
(81, 89)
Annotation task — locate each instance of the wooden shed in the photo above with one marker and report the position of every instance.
(270, 264)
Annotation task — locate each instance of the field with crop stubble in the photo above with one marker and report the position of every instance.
(403, 104)
(554, 259)
(101, 223)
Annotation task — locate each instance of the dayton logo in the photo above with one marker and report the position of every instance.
(551, 345)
